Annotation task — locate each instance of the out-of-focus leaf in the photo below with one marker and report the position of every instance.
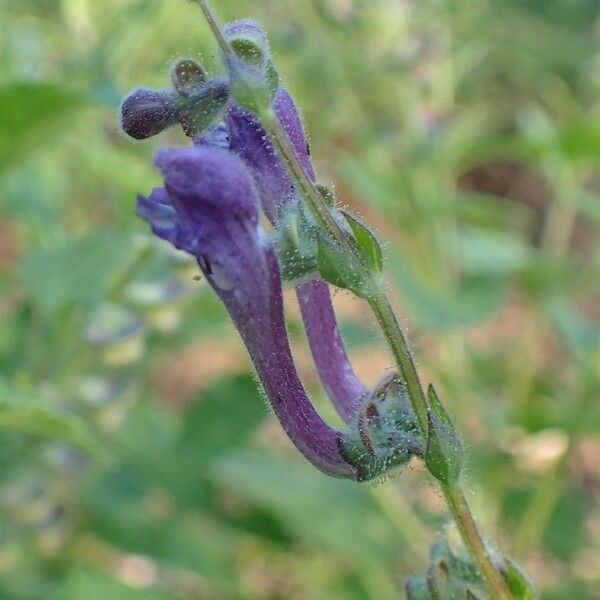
(91, 584)
(30, 113)
(35, 419)
(437, 309)
(491, 253)
(222, 418)
(75, 272)
(338, 514)
(581, 334)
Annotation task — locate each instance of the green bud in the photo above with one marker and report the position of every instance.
(444, 452)
(254, 80)
(202, 105)
(186, 76)
(249, 85)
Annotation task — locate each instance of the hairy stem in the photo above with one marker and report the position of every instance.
(390, 327)
(457, 504)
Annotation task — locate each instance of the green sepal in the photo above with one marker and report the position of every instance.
(336, 268)
(294, 239)
(327, 194)
(444, 452)
(202, 106)
(385, 434)
(367, 244)
(248, 50)
(516, 580)
(187, 75)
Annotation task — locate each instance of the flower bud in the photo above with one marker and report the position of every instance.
(249, 41)
(187, 75)
(146, 112)
(201, 105)
(386, 434)
(254, 81)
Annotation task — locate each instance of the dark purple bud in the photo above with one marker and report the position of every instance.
(146, 112)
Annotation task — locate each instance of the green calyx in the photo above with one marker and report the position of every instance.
(451, 575)
(253, 78)
(202, 104)
(386, 434)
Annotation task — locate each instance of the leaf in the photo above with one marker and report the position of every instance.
(222, 418)
(31, 418)
(339, 514)
(473, 302)
(75, 272)
(492, 253)
(336, 269)
(367, 244)
(31, 111)
(91, 584)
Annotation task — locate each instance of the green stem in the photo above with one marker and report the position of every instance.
(399, 346)
(213, 23)
(387, 320)
(461, 513)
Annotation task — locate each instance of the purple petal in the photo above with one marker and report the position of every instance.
(209, 192)
(164, 221)
(250, 141)
(343, 387)
(260, 321)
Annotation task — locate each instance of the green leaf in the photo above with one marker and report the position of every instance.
(335, 268)
(444, 452)
(223, 417)
(31, 112)
(46, 423)
(337, 514)
(75, 272)
(367, 244)
(492, 253)
(91, 584)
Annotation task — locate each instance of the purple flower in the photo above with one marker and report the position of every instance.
(209, 208)
(249, 140)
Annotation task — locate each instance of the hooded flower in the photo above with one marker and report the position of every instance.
(250, 141)
(209, 208)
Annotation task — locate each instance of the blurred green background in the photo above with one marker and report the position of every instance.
(137, 459)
